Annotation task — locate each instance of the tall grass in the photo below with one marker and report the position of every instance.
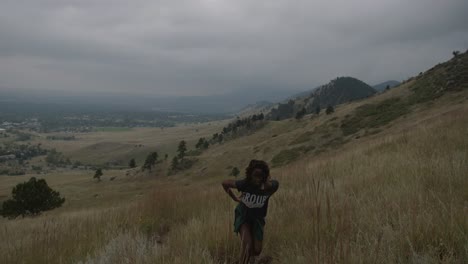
(397, 199)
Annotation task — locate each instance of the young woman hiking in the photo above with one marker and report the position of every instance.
(250, 213)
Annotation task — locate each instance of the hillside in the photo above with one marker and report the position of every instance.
(380, 180)
(382, 86)
(255, 108)
(337, 91)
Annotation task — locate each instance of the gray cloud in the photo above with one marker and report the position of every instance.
(215, 46)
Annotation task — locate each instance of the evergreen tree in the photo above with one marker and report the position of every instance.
(98, 174)
(175, 163)
(206, 145)
(261, 116)
(182, 149)
(329, 110)
(31, 198)
(150, 161)
(301, 113)
(132, 163)
(200, 143)
(317, 109)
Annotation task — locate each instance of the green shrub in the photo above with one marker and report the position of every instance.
(31, 198)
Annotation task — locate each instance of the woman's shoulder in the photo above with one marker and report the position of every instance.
(241, 184)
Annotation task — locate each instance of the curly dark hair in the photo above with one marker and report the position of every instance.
(257, 166)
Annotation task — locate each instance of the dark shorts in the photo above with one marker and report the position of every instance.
(256, 223)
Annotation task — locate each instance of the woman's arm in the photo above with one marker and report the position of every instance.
(227, 185)
(271, 185)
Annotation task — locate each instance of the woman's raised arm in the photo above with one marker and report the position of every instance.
(227, 186)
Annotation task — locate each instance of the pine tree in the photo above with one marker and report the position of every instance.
(317, 109)
(31, 198)
(98, 174)
(182, 149)
(175, 163)
(200, 143)
(132, 163)
(150, 161)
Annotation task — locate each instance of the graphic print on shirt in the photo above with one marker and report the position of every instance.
(254, 200)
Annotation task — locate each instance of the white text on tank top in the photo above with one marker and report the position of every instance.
(254, 200)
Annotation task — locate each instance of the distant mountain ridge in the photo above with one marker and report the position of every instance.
(227, 103)
(337, 91)
(382, 86)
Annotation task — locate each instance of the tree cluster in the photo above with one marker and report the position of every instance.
(202, 144)
(301, 113)
(132, 163)
(22, 151)
(240, 127)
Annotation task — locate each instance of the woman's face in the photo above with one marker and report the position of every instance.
(257, 177)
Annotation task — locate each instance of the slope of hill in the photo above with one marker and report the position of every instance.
(382, 86)
(337, 91)
(381, 180)
(255, 108)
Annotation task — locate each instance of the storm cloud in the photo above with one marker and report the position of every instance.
(202, 47)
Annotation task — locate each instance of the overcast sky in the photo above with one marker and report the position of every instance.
(202, 47)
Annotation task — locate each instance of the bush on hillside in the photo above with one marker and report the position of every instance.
(31, 198)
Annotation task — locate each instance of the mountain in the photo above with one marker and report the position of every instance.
(381, 86)
(302, 94)
(337, 91)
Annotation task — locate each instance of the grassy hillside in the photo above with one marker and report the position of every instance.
(381, 180)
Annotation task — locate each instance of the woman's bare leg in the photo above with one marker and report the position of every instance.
(257, 249)
(246, 240)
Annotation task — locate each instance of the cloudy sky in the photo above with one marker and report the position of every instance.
(201, 47)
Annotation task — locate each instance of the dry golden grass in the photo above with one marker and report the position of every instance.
(399, 197)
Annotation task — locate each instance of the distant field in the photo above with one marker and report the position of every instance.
(121, 144)
(113, 129)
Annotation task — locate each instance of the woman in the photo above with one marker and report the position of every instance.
(256, 188)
